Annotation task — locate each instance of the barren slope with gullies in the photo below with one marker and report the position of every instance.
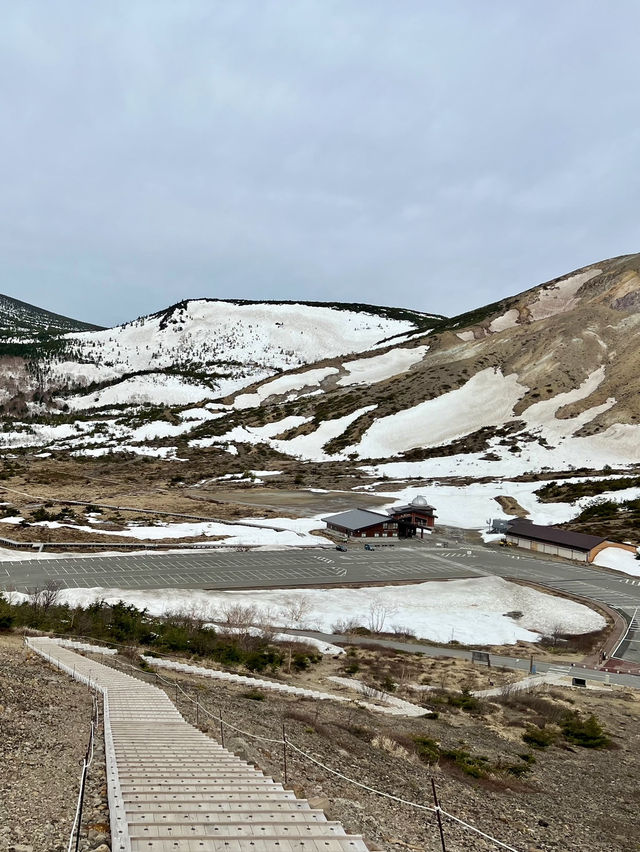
(522, 379)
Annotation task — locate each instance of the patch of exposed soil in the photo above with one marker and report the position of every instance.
(44, 729)
(510, 506)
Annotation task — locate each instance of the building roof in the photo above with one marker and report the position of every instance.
(416, 508)
(357, 519)
(553, 535)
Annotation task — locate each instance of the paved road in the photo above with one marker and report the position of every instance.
(412, 561)
(519, 663)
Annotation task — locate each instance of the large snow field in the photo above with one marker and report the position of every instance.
(155, 388)
(618, 560)
(472, 612)
(487, 399)
(282, 385)
(617, 446)
(470, 506)
(277, 336)
(380, 367)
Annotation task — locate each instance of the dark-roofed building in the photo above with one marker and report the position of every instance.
(557, 542)
(361, 523)
(414, 518)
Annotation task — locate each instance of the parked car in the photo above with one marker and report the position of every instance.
(368, 547)
(341, 547)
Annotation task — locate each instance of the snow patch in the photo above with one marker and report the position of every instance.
(381, 367)
(282, 385)
(487, 399)
(310, 447)
(507, 320)
(468, 611)
(154, 389)
(618, 560)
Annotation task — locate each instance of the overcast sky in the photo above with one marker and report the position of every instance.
(434, 155)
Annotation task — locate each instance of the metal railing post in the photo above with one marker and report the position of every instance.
(439, 818)
(284, 753)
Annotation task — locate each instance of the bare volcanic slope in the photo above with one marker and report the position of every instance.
(547, 379)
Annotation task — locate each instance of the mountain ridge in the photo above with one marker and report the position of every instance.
(18, 318)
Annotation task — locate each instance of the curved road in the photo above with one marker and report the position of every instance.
(307, 567)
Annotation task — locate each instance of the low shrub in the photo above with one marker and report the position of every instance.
(587, 733)
(467, 702)
(253, 695)
(539, 737)
(303, 659)
(519, 770)
(547, 710)
(477, 766)
(6, 621)
(427, 749)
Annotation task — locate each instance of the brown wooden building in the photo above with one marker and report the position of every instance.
(401, 522)
(414, 518)
(361, 523)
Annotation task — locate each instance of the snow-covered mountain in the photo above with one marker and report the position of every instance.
(24, 323)
(544, 381)
(195, 350)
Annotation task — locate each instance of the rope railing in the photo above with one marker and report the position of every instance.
(86, 764)
(287, 744)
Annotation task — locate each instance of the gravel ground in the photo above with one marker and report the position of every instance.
(574, 798)
(44, 730)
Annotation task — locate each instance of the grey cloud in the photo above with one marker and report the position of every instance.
(432, 155)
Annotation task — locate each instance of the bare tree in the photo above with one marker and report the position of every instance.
(240, 616)
(44, 597)
(266, 620)
(348, 625)
(295, 611)
(378, 614)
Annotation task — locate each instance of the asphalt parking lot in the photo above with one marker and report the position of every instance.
(312, 567)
